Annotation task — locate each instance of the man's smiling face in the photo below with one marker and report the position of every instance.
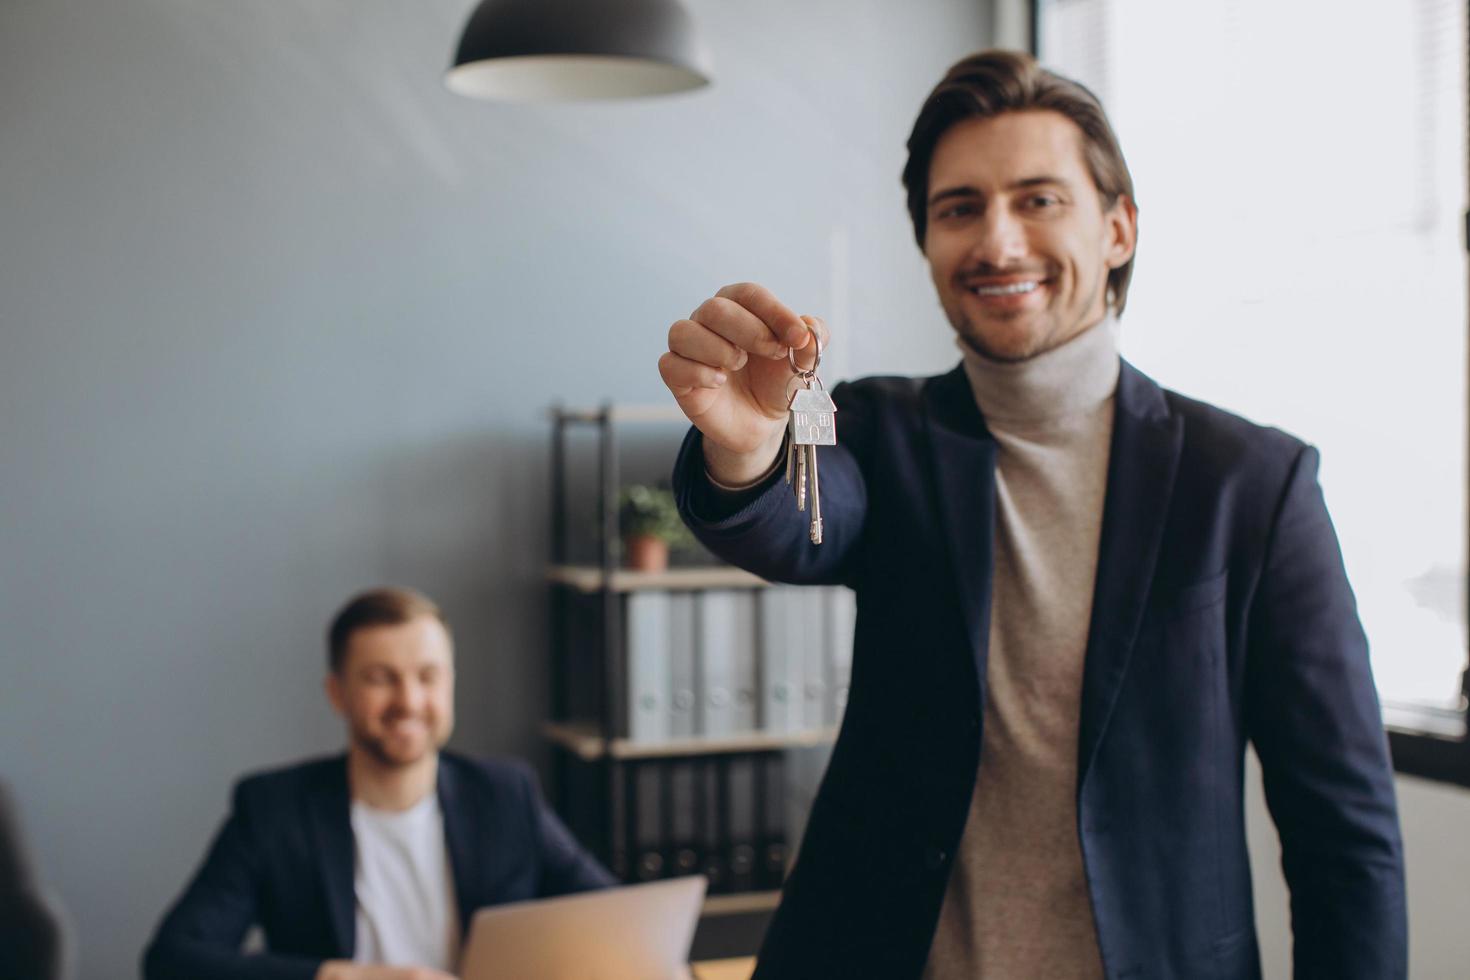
(1019, 241)
(395, 689)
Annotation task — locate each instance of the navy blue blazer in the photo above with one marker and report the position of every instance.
(284, 861)
(1221, 613)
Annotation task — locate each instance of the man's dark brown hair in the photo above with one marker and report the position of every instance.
(995, 82)
(376, 607)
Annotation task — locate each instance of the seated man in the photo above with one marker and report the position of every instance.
(368, 866)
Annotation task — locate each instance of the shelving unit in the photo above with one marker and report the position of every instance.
(589, 745)
(601, 773)
(743, 902)
(590, 578)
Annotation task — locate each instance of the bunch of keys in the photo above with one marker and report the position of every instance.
(812, 422)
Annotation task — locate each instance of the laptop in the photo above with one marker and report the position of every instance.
(635, 932)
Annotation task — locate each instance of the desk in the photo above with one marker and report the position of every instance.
(739, 968)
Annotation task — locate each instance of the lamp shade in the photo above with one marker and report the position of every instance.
(555, 50)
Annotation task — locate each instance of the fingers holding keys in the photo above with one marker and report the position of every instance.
(780, 321)
(696, 342)
(739, 322)
(718, 338)
(741, 327)
(730, 366)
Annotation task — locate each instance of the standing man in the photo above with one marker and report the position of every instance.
(368, 866)
(1079, 595)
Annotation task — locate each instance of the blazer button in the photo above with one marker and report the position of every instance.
(934, 858)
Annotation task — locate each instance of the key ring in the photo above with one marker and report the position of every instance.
(811, 373)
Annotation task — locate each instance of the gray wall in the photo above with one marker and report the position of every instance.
(280, 318)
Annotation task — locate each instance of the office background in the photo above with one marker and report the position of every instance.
(280, 318)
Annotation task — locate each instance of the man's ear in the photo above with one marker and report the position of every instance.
(333, 685)
(1121, 222)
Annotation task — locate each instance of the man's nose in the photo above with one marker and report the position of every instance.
(409, 696)
(1000, 239)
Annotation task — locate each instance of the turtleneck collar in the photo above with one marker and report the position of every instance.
(1075, 377)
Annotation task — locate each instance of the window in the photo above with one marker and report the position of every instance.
(1301, 173)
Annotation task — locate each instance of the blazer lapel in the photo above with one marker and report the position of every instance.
(462, 842)
(964, 474)
(1141, 470)
(331, 823)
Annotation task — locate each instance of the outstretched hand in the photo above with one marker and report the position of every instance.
(727, 368)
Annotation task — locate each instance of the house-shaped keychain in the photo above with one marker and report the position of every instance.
(813, 418)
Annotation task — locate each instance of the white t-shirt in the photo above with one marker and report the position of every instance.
(406, 911)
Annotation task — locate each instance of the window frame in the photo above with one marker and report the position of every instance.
(1431, 743)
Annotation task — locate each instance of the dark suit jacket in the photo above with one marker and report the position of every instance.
(284, 861)
(1221, 613)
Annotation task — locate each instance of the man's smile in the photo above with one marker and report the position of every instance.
(1005, 289)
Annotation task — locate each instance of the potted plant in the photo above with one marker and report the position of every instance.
(649, 523)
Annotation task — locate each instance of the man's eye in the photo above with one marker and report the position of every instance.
(1043, 201)
(376, 677)
(956, 211)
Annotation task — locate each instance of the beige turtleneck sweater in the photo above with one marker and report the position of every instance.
(1017, 906)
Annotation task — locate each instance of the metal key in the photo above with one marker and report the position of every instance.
(816, 526)
(800, 477)
(812, 424)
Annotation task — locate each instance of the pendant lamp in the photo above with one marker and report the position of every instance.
(565, 50)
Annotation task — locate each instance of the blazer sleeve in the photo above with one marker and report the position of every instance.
(1313, 714)
(565, 865)
(201, 935)
(762, 531)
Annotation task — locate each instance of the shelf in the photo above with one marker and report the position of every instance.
(622, 413)
(1433, 721)
(589, 578)
(741, 903)
(582, 740)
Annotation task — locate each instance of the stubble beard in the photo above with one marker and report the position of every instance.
(1032, 346)
(377, 749)
(976, 340)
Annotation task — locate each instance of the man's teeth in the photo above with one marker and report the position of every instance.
(1009, 289)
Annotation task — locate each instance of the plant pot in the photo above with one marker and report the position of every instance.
(646, 553)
